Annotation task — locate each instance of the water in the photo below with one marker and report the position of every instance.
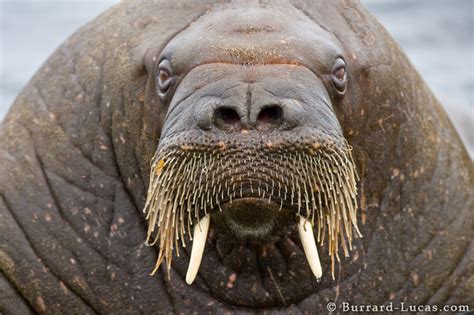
(437, 35)
(30, 32)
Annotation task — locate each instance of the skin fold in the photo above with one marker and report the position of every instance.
(76, 146)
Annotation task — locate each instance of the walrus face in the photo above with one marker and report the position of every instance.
(251, 145)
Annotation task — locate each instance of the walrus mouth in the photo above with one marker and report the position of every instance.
(193, 175)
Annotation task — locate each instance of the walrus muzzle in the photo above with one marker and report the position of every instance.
(313, 176)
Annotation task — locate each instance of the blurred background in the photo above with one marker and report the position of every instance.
(437, 35)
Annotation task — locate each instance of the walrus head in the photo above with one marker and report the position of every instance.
(238, 118)
(251, 143)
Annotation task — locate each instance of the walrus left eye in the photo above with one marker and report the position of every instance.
(339, 76)
(164, 77)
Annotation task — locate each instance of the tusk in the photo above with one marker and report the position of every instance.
(199, 241)
(305, 230)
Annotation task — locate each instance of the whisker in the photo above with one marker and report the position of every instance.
(187, 181)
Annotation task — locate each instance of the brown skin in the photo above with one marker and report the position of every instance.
(74, 163)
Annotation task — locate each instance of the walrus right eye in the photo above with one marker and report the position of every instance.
(339, 76)
(164, 77)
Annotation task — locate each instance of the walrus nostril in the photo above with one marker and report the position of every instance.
(270, 117)
(226, 118)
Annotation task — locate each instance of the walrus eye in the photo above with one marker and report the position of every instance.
(339, 76)
(164, 77)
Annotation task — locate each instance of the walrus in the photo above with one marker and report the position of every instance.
(244, 156)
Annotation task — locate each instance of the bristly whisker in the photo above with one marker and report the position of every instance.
(188, 181)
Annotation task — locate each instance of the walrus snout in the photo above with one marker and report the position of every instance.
(253, 181)
(230, 98)
(270, 117)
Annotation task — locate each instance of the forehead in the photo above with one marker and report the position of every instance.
(271, 34)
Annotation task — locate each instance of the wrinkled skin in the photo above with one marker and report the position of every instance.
(75, 153)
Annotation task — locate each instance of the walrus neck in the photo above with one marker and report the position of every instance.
(418, 215)
(75, 201)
